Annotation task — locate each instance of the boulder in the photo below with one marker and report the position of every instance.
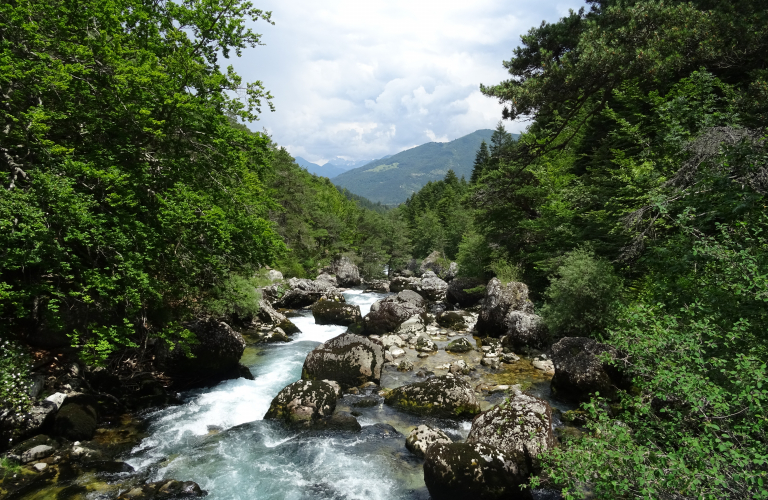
(37, 453)
(438, 264)
(521, 425)
(452, 320)
(400, 283)
(339, 421)
(16, 426)
(524, 330)
(422, 437)
(459, 345)
(412, 326)
(443, 397)
(268, 315)
(579, 372)
(77, 419)
(330, 312)
(302, 403)
(388, 314)
(274, 275)
(499, 301)
(405, 366)
(459, 471)
(300, 292)
(165, 489)
(349, 359)
(432, 287)
(465, 291)
(216, 354)
(277, 335)
(377, 286)
(347, 273)
(425, 344)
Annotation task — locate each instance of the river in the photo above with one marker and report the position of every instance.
(217, 436)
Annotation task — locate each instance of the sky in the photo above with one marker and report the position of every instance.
(361, 79)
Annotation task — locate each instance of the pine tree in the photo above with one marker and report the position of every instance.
(481, 160)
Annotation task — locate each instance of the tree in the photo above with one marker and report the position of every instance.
(130, 195)
(481, 160)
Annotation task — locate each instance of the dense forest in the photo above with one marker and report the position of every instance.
(633, 206)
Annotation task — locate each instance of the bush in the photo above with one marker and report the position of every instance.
(582, 297)
(505, 271)
(236, 296)
(14, 379)
(473, 256)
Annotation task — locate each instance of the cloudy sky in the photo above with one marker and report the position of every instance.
(362, 79)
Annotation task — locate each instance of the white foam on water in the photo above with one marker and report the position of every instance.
(264, 462)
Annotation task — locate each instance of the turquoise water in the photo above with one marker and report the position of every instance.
(218, 438)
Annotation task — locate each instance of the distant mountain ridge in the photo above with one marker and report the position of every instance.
(333, 168)
(392, 179)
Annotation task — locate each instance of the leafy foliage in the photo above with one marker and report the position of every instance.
(130, 194)
(582, 296)
(14, 379)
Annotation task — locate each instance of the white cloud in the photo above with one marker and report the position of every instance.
(366, 79)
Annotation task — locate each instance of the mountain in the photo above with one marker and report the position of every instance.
(346, 164)
(326, 170)
(392, 179)
(333, 168)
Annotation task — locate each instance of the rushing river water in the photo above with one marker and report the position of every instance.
(218, 438)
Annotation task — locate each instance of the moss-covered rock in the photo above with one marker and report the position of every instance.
(579, 371)
(452, 320)
(303, 402)
(77, 419)
(500, 299)
(388, 314)
(424, 436)
(522, 424)
(459, 471)
(216, 354)
(330, 312)
(444, 397)
(465, 291)
(459, 345)
(349, 359)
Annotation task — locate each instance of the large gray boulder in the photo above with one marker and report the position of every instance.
(14, 427)
(348, 359)
(400, 283)
(217, 353)
(269, 316)
(439, 265)
(443, 397)
(432, 288)
(520, 425)
(579, 372)
(388, 314)
(499, 301)
(77, 419)
(465, 291)
(330, 312)
(422, 437)
(347, 273)
(524, 330)
(300, 292)
(303, 402)
(460, 471)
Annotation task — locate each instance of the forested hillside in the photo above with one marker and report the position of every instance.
(135, 199)
(635, 208)
(392, 179)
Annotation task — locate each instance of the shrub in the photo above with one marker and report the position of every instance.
(14, 379)
(581, 299)
(473, 256)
